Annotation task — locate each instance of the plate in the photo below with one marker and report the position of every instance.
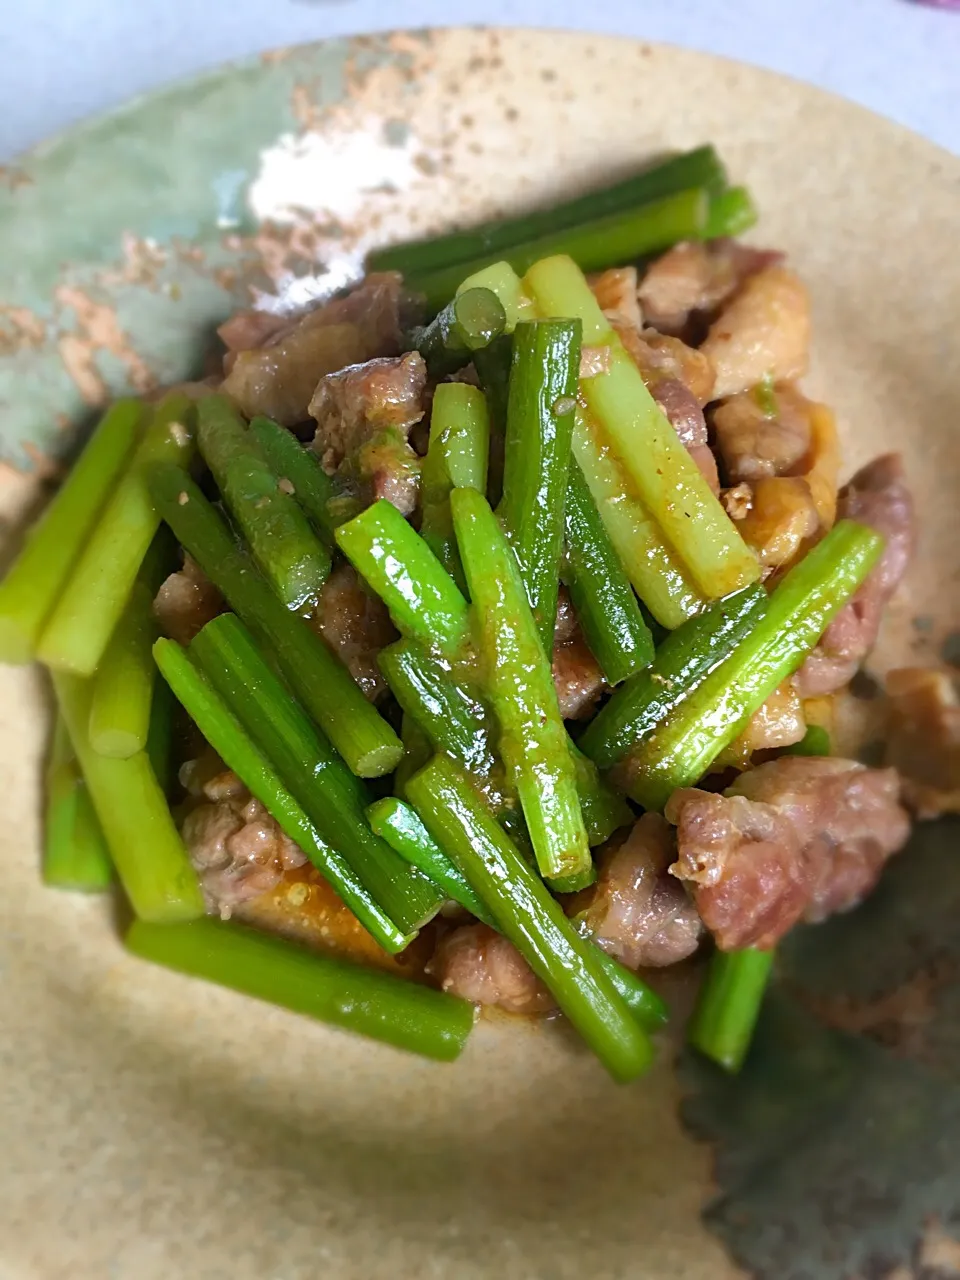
(156, 1127)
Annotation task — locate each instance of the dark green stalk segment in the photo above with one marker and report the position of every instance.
(729, 1005)
(685, 744)
(593, 246)
(367, 1001)
(97, 592)
(644, 1003)
(123, 683)
(533, 741)
(240, 753)
(144, 843)
(403, 831)
(698, 168)
(685, 658)
(540, 411)
(318, 495)
(334, 800)
(603, 807)
(529, 916)
(357, 730)
(468, 323)
(448, 709)
(493, 366)
(732, 212)
(399, 566)
(606, 606)
(281, 541)
(456, 458)
(75, 853)
(36, 579)
(417, 750)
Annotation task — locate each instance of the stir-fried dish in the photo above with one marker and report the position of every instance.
(484, 635)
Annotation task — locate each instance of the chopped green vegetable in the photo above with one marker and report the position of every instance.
(540, 411)
(729, 1004)
(683, 661)
(667, 480)
(399, 566)
(361, 735)
(123, 683)
(367, 1001)
(145, 846)
(529, 916)
(333, 799)
(606, 607)
(603, 242)
(685, 744)
(815, 742)
(281, 541)
(468, 323)
(239, 752)
(75, 854)
(456, 458)
(88, 610)
(318, 495)
(732, 212)
(34, 583)
(653, 567)
(533, 741)
(501, 279)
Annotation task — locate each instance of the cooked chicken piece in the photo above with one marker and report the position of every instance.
(477, 964)
(186, 602)
(778, 723)
(763, 432)
(238, 850)
(781, 521)
(923, 738)
(616, 292)
(356, 625)
(278, 376)
(364, 417)
(636, 911)
(762, 334)
(876, 496)
(660, 358)
(797, 838)
(694, 278)
(577, 677)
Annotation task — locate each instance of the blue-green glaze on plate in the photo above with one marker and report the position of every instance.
(141, 220)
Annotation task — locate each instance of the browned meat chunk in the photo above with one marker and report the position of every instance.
(694, 278)
(781, 521)
(760, 433)
(616, 292)
(250, 328)
(876, 496)
(798, 838)
(356, 625)
(364, 417)
(637, 912)
(577, 677)
(923, 738)
(763, 333)
(186, 602)
(477, 964)
(238, 850)
(278, 376)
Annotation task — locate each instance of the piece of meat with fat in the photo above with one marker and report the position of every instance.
(364, 415)
(876, 496)
(478, 964)
(782, 520)
(796, 838)
(762, 333)
(356, 625)
(236, 847)
(694, 278)
(779, 722)
(577, 677)
(186, 601)
(278, 375)
(616, 292)
(923, 738)
(636, 911)
(761, 433)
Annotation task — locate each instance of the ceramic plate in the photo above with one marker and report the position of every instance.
(154, 1127)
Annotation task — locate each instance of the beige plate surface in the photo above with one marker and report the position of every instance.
(152, 1127)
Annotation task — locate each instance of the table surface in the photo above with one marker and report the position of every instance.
(66, 59)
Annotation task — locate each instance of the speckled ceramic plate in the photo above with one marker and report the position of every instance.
(152, 1127)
